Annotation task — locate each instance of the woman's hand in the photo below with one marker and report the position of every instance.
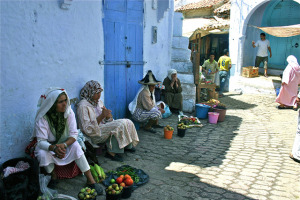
(161, 110)
(60, 151)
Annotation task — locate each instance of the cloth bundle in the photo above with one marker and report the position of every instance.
(21, 166)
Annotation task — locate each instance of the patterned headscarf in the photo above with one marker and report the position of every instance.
(88, 91)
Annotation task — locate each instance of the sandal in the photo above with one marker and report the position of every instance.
(151, 130)
(292, 157)
(116, 157)
(281, 107)
(97, 188)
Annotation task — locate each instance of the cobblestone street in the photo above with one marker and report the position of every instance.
(244, 157)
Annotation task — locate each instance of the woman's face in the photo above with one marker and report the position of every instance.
(97, 96)
(151, 87)
(61, 103)
(174, 76)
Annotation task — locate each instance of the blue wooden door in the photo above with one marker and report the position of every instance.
(123, 46)
(282, 13)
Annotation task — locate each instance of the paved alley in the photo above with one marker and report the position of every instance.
(244, 157)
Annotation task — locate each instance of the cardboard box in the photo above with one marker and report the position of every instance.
(250, 72)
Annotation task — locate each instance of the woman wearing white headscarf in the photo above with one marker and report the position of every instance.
(56, 133)
(172, 92)
(97, 123)
(289, 87)
(143, 108)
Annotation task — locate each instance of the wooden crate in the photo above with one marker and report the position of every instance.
(250, 72)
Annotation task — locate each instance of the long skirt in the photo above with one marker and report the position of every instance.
(141, 115)
(45, 158)
(122, 129)
(296, 146)
(174, 100)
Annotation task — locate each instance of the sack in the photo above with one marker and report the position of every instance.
(23, 185)
(167, 113)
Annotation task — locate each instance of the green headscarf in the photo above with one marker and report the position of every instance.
(56, 121)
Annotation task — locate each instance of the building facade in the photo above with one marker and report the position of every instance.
(67, 43)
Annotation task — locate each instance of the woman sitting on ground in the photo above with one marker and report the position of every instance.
(289, 86)
(172, 92)
(56, 132)
(97, 123)
(143, 107)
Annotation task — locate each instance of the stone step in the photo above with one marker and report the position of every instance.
(180, 42)
(188, 105)
(181, 54)
(188, 89)
(182, 66)
(185, 77)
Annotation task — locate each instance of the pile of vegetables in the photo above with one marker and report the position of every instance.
(168, 128)
(129, 171)
(188, 121)
(87, 193)
(98, 173)
(114, 189)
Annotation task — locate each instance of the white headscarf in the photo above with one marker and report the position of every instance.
(47, 100)
(133, 104)
(170, 72)
(292, 60)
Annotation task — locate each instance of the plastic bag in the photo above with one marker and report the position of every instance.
(167, 113)
(47, 192)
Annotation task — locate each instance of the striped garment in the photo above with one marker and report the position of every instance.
(141, 115)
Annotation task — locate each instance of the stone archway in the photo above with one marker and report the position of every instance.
(255, 17)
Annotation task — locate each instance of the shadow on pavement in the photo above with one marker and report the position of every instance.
(236, 104)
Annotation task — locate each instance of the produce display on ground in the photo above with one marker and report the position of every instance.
(188, 122)
(98, 173)
(215, 104)
(138, 176)
(168, 128)
(87, 193)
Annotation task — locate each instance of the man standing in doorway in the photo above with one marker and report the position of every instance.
(224, 64)
(262, 53)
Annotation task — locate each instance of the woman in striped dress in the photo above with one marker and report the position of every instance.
(144, 107)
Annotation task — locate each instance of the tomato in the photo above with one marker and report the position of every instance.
(128, 182)
(122, 176)
(122, 184)
(127, 176)
(119, 180)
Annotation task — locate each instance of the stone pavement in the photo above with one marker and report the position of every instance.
(244, 157)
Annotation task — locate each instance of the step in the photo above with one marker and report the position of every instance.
(182, 66)
(181, 54)
(177, 28)
(188, 105)
(180, 42)
(185, 77)
(188, 89)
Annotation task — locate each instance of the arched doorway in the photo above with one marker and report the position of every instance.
(271, 13)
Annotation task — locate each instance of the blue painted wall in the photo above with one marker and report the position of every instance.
(42, 46)
(282, 13)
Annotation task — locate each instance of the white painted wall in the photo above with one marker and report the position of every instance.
(42, 46)
(158, 56)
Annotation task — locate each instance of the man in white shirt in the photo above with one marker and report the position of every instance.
(262, 52)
